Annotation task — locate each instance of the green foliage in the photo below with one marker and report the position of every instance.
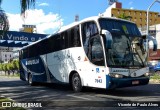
(14, 65)
(156, 76)
(26, 4)
(1, 67)
(5, 67)
(123, 16)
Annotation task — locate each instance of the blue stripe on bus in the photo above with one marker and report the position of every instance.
(108, 79)
(38, 71)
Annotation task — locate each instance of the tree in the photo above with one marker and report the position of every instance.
(15, 64)
(25, 4)
(4, 68)
(9, 68)
(4, 24)
(123, 16)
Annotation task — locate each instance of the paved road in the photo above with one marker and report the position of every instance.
(60, 96)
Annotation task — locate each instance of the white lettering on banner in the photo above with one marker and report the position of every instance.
(21, 37)
(33, 39)
(17, 38)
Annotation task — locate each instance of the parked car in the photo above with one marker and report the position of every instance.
(154, 66)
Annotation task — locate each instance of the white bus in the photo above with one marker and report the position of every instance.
(96, 52)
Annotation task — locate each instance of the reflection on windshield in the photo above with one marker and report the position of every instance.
(127, 46)
(125, 52)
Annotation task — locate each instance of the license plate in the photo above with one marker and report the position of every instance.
(135, 82)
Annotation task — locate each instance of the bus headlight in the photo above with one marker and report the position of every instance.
(146, 74)
(115, 75)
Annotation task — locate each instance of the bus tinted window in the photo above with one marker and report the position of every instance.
(124, 27)
(74, 37)
(64, 40)
(89, 29)
(96, 57)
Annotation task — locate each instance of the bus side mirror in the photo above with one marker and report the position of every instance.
(153, 44)
(108, 38)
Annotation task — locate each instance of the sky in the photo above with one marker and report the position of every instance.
(50, 15)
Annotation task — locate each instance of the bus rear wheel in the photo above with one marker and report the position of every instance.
(76, 83)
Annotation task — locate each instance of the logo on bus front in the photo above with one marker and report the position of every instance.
(120, 70)
(32, 62)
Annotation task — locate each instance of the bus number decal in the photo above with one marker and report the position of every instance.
(98, 80)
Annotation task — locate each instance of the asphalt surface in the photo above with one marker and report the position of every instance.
(53, 96)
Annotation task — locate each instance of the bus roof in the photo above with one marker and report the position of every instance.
(93, 18)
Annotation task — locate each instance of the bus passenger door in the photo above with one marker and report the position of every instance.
(92, 43)
(96, 57)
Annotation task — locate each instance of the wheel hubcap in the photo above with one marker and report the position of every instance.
(76, 82)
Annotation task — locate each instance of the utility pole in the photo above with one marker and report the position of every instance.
(76, 18)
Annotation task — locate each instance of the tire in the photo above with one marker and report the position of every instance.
(76, 83)
(30, 80)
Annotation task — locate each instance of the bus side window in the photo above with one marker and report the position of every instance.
(58, 43)
(96, 51)
(62, 40)
(74, 37)
(66, 40)
(89, 30)
(25, 54)
(20, 54)
(77, 36)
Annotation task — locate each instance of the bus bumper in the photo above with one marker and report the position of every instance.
(127, 82)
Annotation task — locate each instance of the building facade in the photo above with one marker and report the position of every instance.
(6, 54)
(137, 16)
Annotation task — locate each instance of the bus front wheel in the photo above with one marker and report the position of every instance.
(30, 81)
(76, 82)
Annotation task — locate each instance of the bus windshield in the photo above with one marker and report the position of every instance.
(127, 49)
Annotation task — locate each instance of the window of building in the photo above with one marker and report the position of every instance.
(140, 25)
(129, 13)
(150, 20)
(118, 12)
(140, 19)
(140, 13)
